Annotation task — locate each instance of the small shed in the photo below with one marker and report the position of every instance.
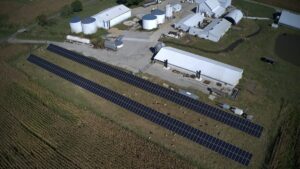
(289, 19)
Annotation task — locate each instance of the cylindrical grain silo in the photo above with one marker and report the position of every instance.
(169, 11)
(75, 25)
(149, 22)
(89, 26)
(161, 16)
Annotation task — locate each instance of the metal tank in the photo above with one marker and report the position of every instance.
(89, 26)
(149, 22)
(169, 11)
(75, 25)
(161, 16)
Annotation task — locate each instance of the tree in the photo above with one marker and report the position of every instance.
(122, 2)
(76, 6)
(66, 11)
(42, 20)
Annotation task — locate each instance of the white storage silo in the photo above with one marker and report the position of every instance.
(149, 22)
(169, 11)
(75, 25)
(161, 16)
(89, 26)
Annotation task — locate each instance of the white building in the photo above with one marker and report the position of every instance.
(211, 8)
(211, 69)
(112, 16)
(189, 21)
(289, 19)
(215, 30)
(234, 16)
(225, 3)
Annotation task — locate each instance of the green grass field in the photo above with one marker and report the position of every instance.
(59, 26)
(251, 9)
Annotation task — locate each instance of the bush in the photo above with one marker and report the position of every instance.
(42, 20)
(66, 11)
(129, 2)
(76, 6)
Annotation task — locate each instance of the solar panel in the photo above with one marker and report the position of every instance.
(195, 105)
(196, 135)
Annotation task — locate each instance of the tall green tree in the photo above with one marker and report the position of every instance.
(42, 20)
(66, 11)
(77, 6)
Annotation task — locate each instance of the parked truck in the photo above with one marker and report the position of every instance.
(151, 2)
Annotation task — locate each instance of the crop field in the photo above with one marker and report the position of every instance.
(41, 130)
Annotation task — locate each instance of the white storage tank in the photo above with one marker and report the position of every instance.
(169, 11)
(89, 26)
(161, 16)
(149, 22)
(75, 25)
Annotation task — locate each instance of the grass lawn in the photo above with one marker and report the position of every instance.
(252, 9)
(59, 27)
(286, 4)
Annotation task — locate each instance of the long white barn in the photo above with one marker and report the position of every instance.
(209, 68)
(112, 16)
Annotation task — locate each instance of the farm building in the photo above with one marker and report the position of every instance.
(225, 3)
(211, 8)
(112, 16)
(214, 31)
(289, 19)
(191, 20)
(234, 16)
(211, 69)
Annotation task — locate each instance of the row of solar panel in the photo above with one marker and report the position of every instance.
(174, 125)
(197, 106)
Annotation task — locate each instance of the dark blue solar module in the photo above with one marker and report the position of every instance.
(195, 105)
(165, 121)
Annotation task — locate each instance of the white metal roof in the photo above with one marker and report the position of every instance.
(111, 13)
(191, 20)
(236, 15)
(215, 30)
(208, 67)
(212, 4)
(290, 19)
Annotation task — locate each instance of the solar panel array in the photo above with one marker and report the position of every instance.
(165, 121)
(195, 105)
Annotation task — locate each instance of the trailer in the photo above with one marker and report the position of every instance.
(152, 2)
(79, 40)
